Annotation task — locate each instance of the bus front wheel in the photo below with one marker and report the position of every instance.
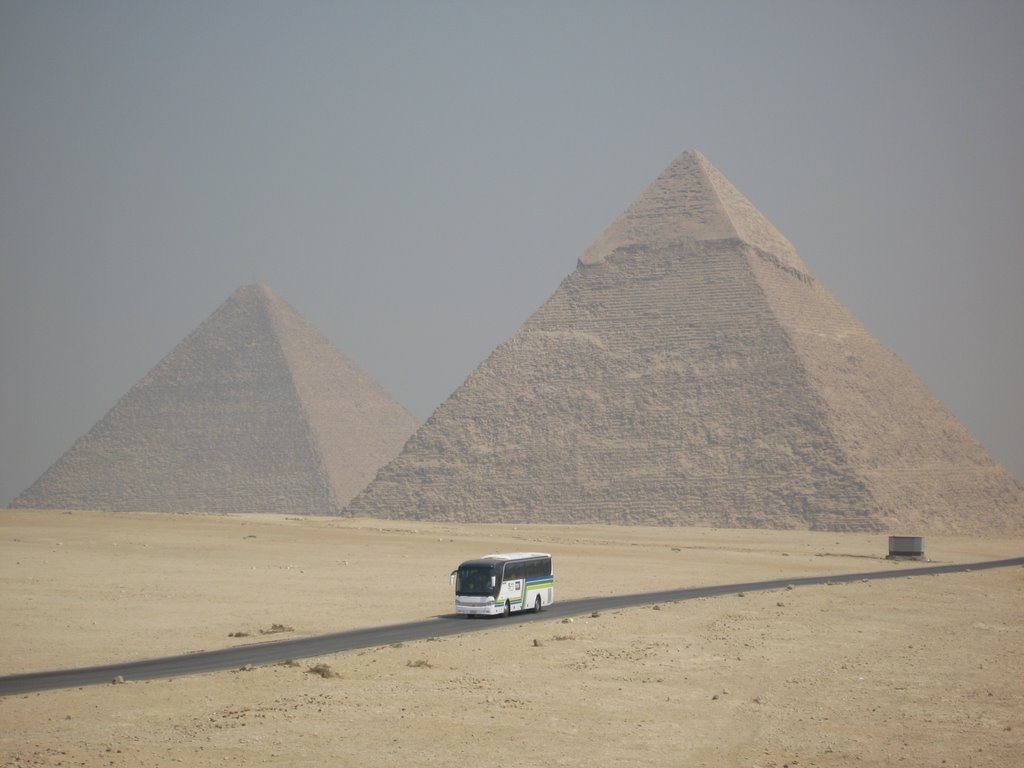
(507, 611)
(536, 606)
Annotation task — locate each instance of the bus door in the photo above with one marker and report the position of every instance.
(515, 584)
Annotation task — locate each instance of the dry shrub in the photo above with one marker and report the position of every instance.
(324, 670)
(275, 628)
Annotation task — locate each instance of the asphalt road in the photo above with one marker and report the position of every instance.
(442, 626)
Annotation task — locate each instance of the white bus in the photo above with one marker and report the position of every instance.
(504, 583)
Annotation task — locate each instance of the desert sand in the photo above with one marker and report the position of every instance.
(924, 671)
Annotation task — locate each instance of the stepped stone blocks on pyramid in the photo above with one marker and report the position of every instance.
(691, 371)
(255, 411)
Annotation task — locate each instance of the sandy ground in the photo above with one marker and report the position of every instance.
(925, 671)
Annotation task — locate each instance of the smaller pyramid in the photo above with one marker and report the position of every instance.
(255, 411)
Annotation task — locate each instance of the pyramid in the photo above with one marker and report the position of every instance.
(691, 371)
(255, 411)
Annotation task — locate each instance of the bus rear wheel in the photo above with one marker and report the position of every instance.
(537, 605)
(507, 610)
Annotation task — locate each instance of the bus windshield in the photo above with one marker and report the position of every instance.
(476, 579)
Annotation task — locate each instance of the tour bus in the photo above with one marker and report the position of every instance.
(504, 583)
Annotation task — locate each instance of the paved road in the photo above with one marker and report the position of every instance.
(442, 626)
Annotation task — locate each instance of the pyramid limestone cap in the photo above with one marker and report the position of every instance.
(691, 200)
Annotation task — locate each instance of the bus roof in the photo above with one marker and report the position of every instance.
(515, 555)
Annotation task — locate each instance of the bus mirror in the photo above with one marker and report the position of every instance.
(451, 578)
(492, 582)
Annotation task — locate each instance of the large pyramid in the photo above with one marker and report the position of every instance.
(255, 411)
(691, 371)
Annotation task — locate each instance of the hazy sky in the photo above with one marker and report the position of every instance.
(417, 178)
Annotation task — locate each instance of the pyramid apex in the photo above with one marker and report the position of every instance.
(691, 200)
(253, 290)
(693, 153)
(254, 295)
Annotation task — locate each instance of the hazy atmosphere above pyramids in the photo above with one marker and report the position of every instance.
(427, 186)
